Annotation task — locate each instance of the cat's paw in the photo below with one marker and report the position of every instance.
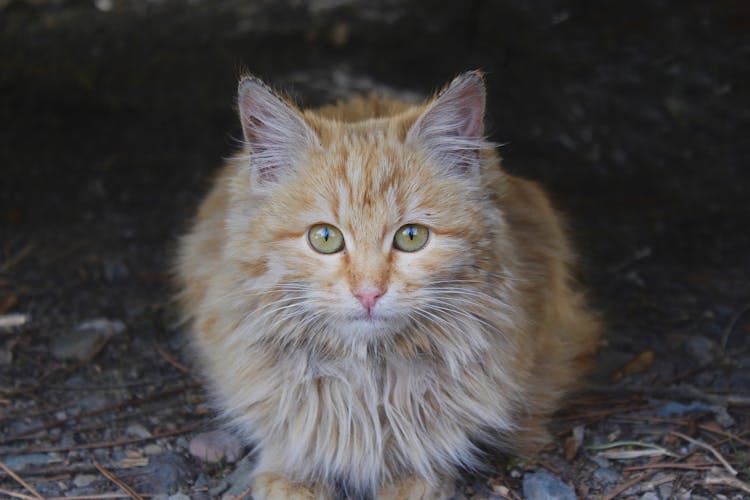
(272, 486)
(416, 488)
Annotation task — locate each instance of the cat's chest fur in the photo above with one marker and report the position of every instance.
(383, 416)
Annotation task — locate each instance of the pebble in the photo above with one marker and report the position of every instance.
(178, 496)
(82, 480)
(165, 473)
(21, 461)
(137, 430)
(665, 490)
(700, 348)
(546, 486)
(649, 496)
(675, 408)
(215, 445)
(80, 343)
(606, 475)
(239, 480)
(152, 449)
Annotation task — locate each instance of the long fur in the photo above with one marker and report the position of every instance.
(477, 338)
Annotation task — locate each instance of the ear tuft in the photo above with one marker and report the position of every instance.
(451, 129)
(274, 130)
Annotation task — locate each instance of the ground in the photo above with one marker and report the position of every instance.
(634, 115)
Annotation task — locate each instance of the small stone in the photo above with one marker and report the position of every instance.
(178, 496)
(649, 496)
(606, 475)
(600, 461)
(546, 486)
(700, 348)
(165, 473)
(21, 461)
(665, 490)
(82, 480)
(81, 343)
(152, 449)
(215, 445)
(239, 480)
(138, 430)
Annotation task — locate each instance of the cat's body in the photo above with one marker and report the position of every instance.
(372, 367)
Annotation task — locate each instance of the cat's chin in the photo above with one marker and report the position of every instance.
(370, 325)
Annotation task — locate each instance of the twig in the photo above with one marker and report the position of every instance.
(172, 361)
(127, 489)
(680, 392)
(730, 327)
(109, 408)
(672, 465)
(721, 432)
(20, 255)
(708, 447)
(100, 496)
(624, 486)
(729, 481)
(16, 495)
(77, 468)
(58, 372)
(103, 444)
(21, 481)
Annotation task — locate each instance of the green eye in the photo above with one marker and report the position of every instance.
(325, 238)
(411, 237)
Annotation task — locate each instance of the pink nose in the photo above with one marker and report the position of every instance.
(368, 296)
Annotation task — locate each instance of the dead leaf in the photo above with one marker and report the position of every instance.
(638, 364)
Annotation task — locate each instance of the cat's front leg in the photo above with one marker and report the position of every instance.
(274, 486)
(417, 488)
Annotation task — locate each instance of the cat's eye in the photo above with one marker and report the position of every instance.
(325, 238)
(411, 237)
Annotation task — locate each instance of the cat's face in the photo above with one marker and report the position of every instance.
(364, 228)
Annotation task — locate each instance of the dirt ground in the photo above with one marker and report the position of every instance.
(113, 115)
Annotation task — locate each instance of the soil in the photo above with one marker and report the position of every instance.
(635, 116)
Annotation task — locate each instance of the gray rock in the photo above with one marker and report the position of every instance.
(649, 496)
(215, 445)
(239, 480)
(82, 480)
(178, 496)
(546, 486)
(22, 461)
(137, 430)
(600, 461)
(80, 343)
(665, 490)
(606, 475)
(152, 449)
(165, 473)
(700, 348)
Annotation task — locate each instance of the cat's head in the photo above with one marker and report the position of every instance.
(355, 231)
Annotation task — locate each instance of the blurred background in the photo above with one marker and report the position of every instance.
(114, 114)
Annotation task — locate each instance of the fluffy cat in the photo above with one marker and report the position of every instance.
(372, 298)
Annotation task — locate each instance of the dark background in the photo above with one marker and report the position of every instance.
(635, 115)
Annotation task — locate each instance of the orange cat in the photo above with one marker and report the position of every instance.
(372, 297)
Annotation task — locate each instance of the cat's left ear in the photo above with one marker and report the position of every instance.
(451, 129)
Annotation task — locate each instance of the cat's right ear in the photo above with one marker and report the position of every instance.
(274, 131)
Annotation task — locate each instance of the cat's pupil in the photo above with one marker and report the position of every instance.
(412, 233)
(326, 233)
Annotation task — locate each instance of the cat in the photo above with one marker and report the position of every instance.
(374, 300)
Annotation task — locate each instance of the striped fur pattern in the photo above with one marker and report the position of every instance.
(475, 339)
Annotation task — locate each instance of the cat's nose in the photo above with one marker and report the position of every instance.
(368, 296)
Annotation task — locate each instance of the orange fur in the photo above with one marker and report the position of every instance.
(477, 336)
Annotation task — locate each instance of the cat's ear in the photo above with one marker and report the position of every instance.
(451, 128)
(274, 130)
